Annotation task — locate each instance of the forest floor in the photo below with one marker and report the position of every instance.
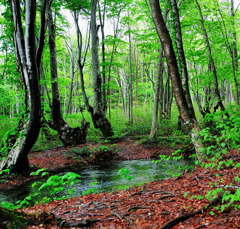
(159, 204)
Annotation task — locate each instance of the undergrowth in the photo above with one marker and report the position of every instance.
(222, 136)
(54, 188)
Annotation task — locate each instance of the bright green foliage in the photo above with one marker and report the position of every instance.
(222, 135)
(40, 172)
(5, 172)
(220, 138)
(50, 190)
(125, 174)
(169, 160)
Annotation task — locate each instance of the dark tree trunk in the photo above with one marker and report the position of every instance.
(181, 55)
(98, 112)
(189, 122)
(28, 130)
(68, 135)
(167, 98)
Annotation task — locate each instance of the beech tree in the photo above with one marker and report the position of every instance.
(181, 56)
(189, 120)
(126, 76)
(97, 111)
(211, 62)
(16, 148)
(67, 134)
(157, 95)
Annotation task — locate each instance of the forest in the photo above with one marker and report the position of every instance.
(119, 114)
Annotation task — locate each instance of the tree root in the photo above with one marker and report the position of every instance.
(184, 217)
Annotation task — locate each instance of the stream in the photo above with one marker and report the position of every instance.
(104, 179)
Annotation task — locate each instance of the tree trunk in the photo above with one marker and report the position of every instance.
(68, 135)
(189, 122)
(166, 103)
(98, 115)
(212, 63)
(157, 92)
(130, 81)
(234, 55)
(19, 144)
(69, 109)
(104, 81)
(181, 56)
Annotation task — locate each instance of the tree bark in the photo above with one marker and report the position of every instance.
(98, 114)
(181, 56)
(189, 122)
(157, 92)
(28, 129)
(234, 55)
(130, 77)
(68, 135)
(97, 111)
(69, 108)
(104, 80)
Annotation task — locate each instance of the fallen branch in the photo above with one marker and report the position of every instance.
(137, 207)
(165, 197)
(83, 223)
(184, 217)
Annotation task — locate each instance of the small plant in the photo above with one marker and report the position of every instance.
(104, 148)
(166, 160)
(40, 172)
(52, 189)
(223, 135)
(5, 172)
(125, 174)
(178, 133)
(80, 151)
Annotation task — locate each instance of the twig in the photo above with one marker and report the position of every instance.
(121, 216)
(197, 179)
(137, 207)
(164, 197)
(226, 186)
(161, 192)
(184, 217)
